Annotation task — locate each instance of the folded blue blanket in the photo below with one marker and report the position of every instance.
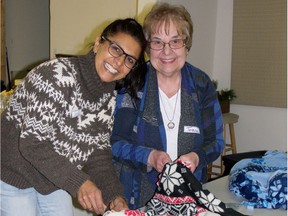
(261, 181)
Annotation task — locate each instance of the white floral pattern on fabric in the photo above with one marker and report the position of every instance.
(170, 178)
(210, 201)
(187, 198)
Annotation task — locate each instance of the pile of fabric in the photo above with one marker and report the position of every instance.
(180, 193)
(261, 181)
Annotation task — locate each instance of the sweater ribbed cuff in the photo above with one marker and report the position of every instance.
(74, 182)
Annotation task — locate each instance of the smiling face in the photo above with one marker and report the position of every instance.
(111, 68)
(167, 62)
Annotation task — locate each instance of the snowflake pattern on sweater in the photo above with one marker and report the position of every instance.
(51, 107)
(55, 131)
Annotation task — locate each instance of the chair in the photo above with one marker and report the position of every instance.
(229, 119)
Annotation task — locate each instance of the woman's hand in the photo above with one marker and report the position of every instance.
(191, 157)
(157, 160)
(118, 204)
(90, 197)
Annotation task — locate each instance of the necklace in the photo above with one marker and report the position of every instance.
(170, 124)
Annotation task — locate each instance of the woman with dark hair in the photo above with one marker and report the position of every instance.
(58, 124)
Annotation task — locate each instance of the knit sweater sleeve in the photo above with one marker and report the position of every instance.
(102, 172)
(42, 123)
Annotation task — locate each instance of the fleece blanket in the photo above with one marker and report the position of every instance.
(180, 193)
(261, 181)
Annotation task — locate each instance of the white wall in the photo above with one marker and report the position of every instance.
(75, 24)
(27, 33)
(223, 43)
(258, 128)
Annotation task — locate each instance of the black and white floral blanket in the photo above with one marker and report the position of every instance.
(180, 193)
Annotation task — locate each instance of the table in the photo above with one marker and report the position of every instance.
(219, 188)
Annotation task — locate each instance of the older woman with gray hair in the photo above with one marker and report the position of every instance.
(177, 115)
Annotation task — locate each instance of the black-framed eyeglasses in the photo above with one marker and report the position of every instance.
(116, 51)
(173, 44)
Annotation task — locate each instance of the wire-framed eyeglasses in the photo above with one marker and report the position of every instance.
(173, 44)
(115, 50)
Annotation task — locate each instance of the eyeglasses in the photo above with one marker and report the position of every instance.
(115, 50)
(173, 44)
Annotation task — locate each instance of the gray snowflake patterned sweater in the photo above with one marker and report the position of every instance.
(57, 124)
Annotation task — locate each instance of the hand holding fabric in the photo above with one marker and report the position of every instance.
(191, 157)
(118, 204)
(90, 197)
(157, 160)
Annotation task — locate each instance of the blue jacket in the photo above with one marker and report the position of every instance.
(138, 129)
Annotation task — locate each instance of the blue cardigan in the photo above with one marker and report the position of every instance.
(138, 129)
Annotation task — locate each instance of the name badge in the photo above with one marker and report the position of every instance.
(191, 129)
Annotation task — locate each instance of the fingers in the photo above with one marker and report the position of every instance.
(97, 202)
(90, 197)
(161, 162)
(118, 204)
(192, 158)
(157, 159)
(91, 203)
